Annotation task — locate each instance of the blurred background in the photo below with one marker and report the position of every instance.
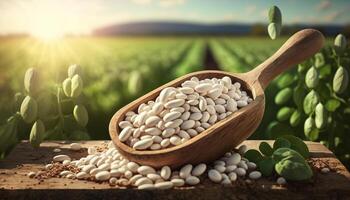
(128, 47)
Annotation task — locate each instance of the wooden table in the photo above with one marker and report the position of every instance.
(14, 184)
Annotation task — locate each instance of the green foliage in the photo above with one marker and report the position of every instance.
(8, 134)
(50, 116)
(266, 166)
(265, 149)
(253, 155)
(286, 158)
(298, 145)
(281, 143)
(321, 99)
(291, 165)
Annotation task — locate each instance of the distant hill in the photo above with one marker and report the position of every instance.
(166, 28)
(140, 28)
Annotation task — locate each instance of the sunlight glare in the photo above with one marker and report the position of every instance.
(47, 23)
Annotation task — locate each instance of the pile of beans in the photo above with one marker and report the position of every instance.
(110, 166)
(181, 113)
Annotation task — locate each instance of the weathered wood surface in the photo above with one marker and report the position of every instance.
(14, 184)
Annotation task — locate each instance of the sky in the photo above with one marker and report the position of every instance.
(83, 16)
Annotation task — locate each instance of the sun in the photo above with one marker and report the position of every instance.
(47, 31)
(48, 20)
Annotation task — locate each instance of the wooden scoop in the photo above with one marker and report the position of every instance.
(226, 134)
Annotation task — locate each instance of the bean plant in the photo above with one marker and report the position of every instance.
(46, 113)
(287, 158)
(314, 101)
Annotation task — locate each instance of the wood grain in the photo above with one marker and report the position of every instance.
(234, 129)
(14, 184)
(301, 46)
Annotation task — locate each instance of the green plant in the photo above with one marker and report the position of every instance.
(54, 116)
(286, 158)
(320, 100)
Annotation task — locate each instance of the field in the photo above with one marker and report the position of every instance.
(118, 70)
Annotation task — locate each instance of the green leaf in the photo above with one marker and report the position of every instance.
(298, 145)
(266, 166)
(325, 71)
(18, 99)
(285, 80)
(319, 60)
(277, 129)
(299, 93)
(291, 165)
(332, 105)
(253, 155)
(67, 106)
(281, 143)
(45, 104)
(265, 149)
(8, 135)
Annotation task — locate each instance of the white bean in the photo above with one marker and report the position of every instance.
(102, 175)
(143, 144)
(164, 185)
(199, 169)
(185, 171)
(165, 172)
(214, 176)
(192, 180)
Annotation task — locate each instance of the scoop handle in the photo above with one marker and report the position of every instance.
(296, 49)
